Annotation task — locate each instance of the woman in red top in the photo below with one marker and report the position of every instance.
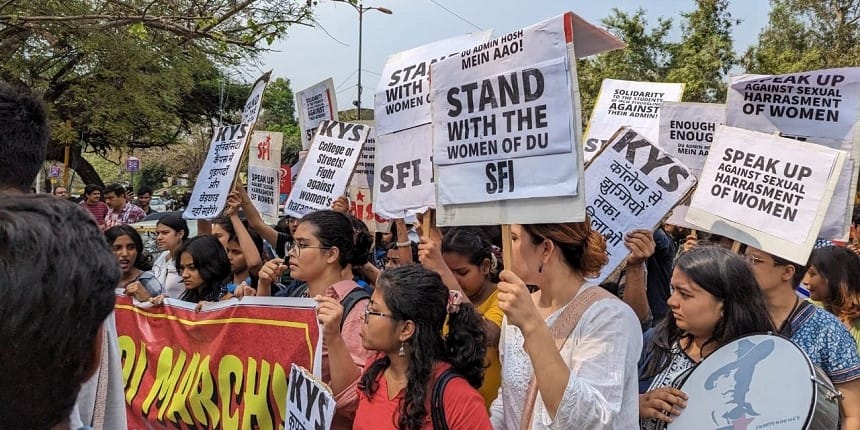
(403, 322)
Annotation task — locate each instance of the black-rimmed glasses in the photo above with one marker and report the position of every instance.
(298, 247)
(368, 312)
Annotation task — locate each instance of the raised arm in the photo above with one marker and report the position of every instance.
(256, 222)
(252, 255)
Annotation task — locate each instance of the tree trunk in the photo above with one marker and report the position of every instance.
(85, 171)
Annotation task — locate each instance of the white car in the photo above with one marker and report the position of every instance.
(146, 228)
(158, 205)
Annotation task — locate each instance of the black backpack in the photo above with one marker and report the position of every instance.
(356, 295)
(437, 408)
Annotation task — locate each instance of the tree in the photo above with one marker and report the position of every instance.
(806, 35)
(151, 176)
(279, 114)
(134, 74)
(703, 58)
(646, 57)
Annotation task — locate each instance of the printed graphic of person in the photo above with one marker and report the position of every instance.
(733, 382)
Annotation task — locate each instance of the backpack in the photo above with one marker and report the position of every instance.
(356, 295)
(437, 408)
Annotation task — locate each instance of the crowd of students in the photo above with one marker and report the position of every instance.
(393, 327)
(422, 327)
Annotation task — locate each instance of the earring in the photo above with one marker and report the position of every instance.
(540, 268)
(401, 353)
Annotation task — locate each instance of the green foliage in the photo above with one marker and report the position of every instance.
(124, 74)
(279, 104)
(806, 35)
(703, 58)
(279, 114)
(646, 57)
(151, 176)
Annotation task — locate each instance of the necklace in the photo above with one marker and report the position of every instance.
(782, 327)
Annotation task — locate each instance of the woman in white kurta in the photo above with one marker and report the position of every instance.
(592, 382)
(172, 232)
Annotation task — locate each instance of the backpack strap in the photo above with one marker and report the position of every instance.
(561, 330)
(299, 291)
(356, 295)
(437, 407)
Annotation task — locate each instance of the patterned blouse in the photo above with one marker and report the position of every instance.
(679, 364)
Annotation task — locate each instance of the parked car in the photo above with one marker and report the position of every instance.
(158, 204)
(146, 228)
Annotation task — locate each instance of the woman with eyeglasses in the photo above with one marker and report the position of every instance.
(321, 247)
(715, 300)
(406, 386)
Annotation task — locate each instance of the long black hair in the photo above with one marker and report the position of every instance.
(117, 231)
(726, 276)
(841, 269)
(362, 243)
(472, 243)
(413, 293)
(211, 261)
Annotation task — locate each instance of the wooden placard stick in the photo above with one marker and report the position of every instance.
(507, 251)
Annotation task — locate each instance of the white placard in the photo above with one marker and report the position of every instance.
(819, 106)
(328, 167)
(536, 210)
(506, 98)
(363, 175)
(310, 403)
(215, 179)
(264, 164)
(263, 186)
(500, 111)
(315, 104)
(251, 110)
(627, 103)
(402, 97)
(768, 191)
(835, 222)
(516, 178)
(296, 168)
(631, 184)
(589, 40)
(403, 178)
(678, 217)
(687, 130)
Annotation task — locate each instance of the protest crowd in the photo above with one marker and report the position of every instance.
(518, 282)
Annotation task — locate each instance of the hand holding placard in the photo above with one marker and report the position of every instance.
(516, 302)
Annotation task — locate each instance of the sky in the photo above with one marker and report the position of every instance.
(311, 54)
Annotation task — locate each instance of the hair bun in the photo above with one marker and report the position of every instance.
(593, 254)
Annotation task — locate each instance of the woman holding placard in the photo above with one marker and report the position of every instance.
(715, 299)
(574, 345)
(833, 279)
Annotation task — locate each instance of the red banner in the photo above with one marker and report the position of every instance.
(225, 367)
(286, 177)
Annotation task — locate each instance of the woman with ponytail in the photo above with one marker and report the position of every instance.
(470, 257)
(569, 351)
(403, 323)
